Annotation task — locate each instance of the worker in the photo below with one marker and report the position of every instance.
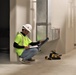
(22, 44)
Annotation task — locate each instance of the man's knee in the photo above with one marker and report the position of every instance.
(34, 50)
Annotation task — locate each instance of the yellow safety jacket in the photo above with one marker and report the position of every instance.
(22, 41)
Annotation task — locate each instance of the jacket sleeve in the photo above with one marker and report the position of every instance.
(15, 45)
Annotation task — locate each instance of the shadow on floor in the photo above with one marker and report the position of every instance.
(4, 58)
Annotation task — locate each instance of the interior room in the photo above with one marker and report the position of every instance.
(49, 18)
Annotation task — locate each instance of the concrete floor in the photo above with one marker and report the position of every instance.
(65, 66)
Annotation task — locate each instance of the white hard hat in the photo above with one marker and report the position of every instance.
(28, 27)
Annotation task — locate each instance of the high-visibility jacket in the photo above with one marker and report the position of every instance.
(22, 41)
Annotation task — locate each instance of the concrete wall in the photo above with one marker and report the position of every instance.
(70, 27)
(22, 13)
(12, 29)
(60, 19)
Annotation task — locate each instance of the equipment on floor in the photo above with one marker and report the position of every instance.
(53, 56)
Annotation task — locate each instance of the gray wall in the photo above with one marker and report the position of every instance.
(61, 18)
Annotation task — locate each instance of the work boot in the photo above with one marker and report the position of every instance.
(24, 61)
(31, 59)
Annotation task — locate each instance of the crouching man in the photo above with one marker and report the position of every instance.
(22, 44)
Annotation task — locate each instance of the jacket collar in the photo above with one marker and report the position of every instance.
(23, 34)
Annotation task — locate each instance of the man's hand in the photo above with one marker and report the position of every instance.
(26, 47)
(41, 41)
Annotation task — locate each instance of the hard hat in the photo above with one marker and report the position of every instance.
(28, 27)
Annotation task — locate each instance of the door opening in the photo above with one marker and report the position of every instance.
(4, 29)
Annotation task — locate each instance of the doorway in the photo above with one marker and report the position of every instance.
(4, 29)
